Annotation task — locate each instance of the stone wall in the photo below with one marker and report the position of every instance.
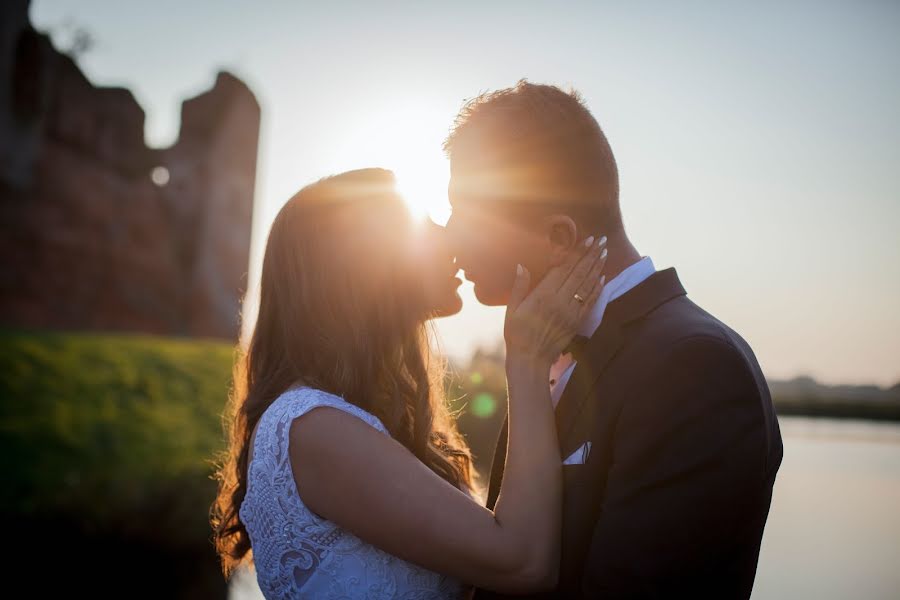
(88, 239)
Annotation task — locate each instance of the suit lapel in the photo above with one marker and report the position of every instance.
(592, 360)
(594, 357)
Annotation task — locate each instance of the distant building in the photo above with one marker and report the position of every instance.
(99, 232)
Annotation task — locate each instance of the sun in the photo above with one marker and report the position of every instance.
(408, 140)
(418, 161)
(422, 181)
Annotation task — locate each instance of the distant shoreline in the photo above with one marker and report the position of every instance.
(856, 409)
(804, 396)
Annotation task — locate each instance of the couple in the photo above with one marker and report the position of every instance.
(641, 445)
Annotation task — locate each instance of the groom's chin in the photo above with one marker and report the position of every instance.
(491, 297)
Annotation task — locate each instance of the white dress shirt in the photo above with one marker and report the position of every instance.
(625, 281)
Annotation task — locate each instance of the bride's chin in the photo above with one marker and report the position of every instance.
(448, 306)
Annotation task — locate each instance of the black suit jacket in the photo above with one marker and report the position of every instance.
(674, 495)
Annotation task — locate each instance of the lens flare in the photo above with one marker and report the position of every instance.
(484, 405)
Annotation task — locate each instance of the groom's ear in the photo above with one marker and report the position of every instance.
(562, 235)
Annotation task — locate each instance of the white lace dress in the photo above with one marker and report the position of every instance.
(298, 554)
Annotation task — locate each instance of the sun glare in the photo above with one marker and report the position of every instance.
(407, 140)
(423, 185)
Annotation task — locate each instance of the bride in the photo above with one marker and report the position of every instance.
(345, 475)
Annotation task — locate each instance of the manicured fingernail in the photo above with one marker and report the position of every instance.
(602, 241)
(603, 254)
(603, 280)
(588, 241)
(519, 270)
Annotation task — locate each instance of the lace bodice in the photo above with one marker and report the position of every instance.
(298, 554)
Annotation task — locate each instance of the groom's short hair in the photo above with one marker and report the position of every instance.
(546, 147)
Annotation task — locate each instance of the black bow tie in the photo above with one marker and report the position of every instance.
(576, 346)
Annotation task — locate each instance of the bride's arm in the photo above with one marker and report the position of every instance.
(371, 485)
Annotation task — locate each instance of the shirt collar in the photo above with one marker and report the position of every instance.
(619, 285)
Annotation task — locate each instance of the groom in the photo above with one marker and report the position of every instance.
(666, 428)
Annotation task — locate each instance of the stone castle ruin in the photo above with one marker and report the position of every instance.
(100, 232)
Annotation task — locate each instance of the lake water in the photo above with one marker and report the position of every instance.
(834, 526)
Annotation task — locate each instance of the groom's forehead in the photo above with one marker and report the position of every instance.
(496, 183)
(470, 185)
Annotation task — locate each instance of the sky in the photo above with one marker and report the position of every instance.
(758, 143)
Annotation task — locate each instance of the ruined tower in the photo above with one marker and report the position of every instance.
(100, 232)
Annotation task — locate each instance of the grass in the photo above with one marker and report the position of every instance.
(116, 431)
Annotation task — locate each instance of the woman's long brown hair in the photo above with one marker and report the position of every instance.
(341, 310)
